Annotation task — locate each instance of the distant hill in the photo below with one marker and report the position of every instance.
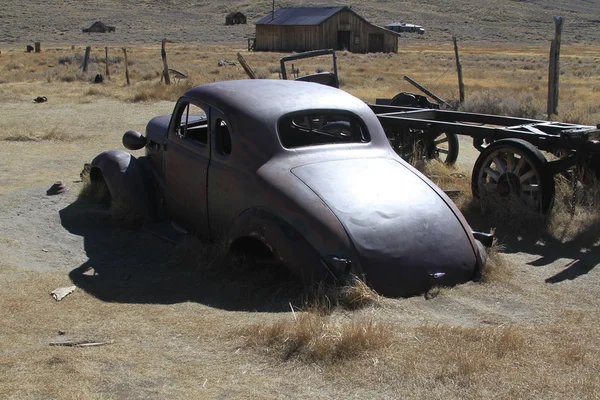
(148, 21)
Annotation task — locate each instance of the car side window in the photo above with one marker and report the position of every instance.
(223, 137)
(192, 124)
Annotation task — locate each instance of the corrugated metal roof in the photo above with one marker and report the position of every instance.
(300, 16)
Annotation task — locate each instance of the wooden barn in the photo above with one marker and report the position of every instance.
(313, 28)
(235, 18)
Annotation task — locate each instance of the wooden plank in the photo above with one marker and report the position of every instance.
(426, 91)
(246, 67)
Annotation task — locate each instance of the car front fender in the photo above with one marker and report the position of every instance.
(126, 180)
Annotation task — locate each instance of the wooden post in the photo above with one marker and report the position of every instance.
(86, 59)
(554, 68)
(38, 47)
(426, 91)
(246, 67)
(126, 65)
(107, 72)
(461, 85)
(163, 54)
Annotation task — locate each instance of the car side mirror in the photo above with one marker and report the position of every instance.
(133, 140)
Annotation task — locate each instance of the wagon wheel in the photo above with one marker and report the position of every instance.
(444, 148)
(514, 167)
(410, 147)
(406, 144)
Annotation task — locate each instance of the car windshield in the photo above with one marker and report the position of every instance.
(314, 129)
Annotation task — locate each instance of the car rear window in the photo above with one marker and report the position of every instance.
(314, 129)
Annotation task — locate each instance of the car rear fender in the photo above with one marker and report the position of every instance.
(127, 180)
(284, 242)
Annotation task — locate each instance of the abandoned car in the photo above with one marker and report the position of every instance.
(302, 170)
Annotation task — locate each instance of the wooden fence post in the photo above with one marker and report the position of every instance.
(163, 53)
(38, 47)
(554, 68)
(461, 85)
(86, 59)
(107, 72)
(126, 65)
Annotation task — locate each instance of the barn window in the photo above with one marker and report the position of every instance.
(314, 129)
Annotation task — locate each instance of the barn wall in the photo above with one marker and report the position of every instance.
(360, 31)
(286, 38)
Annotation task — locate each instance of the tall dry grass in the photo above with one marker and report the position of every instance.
(315, 338)
(352, 294)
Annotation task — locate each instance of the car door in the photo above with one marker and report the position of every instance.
(186, 166)
(228, 185)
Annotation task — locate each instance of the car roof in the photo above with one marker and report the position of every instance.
(254, 107)
(270, 99)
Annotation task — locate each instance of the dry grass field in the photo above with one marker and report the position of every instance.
(185, 322)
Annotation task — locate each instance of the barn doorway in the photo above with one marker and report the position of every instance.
(376, 43)
(343, 40)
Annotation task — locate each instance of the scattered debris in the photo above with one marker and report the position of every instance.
(40, 99)
(57, 188)
(177, 76)
(62, 292)
(79, 343)
(226, 62)
(98, 78)
(29, 48)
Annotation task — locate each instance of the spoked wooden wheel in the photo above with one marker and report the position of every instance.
(411, 147)
(444, 148)
(517, 169)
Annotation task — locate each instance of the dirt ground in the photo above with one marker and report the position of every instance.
(175, 333)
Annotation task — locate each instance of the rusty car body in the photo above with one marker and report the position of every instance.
(300, 169)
